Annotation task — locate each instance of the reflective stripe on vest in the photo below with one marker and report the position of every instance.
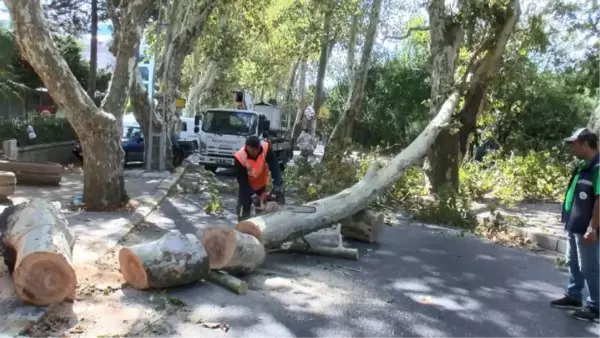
(258, 170)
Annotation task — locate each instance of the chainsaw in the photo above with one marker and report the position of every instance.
(278, 197)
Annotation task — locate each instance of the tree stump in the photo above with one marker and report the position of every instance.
(172, 260)
(233, 251)
(8, 181)
(37, 247)
(365, 225)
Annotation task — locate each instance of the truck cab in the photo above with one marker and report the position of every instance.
(224, 131)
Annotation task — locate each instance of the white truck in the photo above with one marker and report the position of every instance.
(224, 131)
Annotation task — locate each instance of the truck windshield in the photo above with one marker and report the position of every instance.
(229, 122)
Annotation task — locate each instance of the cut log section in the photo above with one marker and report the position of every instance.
(34, 173)
(172, 260)
(8, 181)
(233, 251)
(277, 228)
(365, 225)
(37, 247)
(228, 281)
(319, 250)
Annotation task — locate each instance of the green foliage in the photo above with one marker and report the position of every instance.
(448, 208)
(536, 176)
(48, 129)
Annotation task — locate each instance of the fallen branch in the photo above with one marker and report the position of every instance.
(365, 225)
(38, 245)
(227, 281)
(174, 259)
(233, 251)
(319, 250)
(283, 226)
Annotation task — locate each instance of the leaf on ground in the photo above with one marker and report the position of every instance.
(77, 329)
(425, 300)
(213, 326)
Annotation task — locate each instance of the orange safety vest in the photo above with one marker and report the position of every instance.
(258, 170)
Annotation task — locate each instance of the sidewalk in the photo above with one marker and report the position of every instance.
(542, 223)
(96, 233)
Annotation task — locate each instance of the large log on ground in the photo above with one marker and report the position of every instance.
(34, 173)
(283, 226)
(233, 251)
(365, 225)
(38, 245)
(172, 260)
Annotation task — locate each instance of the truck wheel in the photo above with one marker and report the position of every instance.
(211, 168)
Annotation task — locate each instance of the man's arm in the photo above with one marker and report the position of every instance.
(274, 167)
(241, 173)
(595, 215)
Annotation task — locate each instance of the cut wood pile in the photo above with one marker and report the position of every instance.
(225, 252)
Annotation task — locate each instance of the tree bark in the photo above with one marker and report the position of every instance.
(441, 165)
(186, 23)
(99, 131)
(233, 251)
(204, 81)
(91, 88)
(174, 259)
(227, 281)
(476, 94)
(323, 58)
(343, 129)
(289, 90)
(37, 250)
(352, 46)
(319, 250)
(301, 101)
(594, 123)
(280, 227)
(365, 225)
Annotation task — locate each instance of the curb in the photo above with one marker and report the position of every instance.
(544, 241)
(26, 316)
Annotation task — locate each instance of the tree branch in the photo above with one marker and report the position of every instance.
(409, 32)
(132, 20)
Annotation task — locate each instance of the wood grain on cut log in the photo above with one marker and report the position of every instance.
(233, 251)
(37, 247)
(174, 259)
(280, 227)
(365, 225)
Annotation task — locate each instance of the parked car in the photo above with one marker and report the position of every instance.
(133, 145)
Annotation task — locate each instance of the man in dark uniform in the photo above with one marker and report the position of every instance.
(580, 215)
(253, 162)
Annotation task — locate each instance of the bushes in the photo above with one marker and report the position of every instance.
(48, 129)
(535, 177)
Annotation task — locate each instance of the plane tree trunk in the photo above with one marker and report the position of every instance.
(99, 129)
(441, 165)
(342, 131)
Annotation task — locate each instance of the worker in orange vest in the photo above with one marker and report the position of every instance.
(253, 162)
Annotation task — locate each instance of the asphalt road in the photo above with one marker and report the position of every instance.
(419, 281)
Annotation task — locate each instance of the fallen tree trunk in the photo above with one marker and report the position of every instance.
(233, 251)
(172, 260)
(228, 281)
(283, 226)
(38, 245)
(365, 225)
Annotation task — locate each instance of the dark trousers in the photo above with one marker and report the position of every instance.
(245, 202)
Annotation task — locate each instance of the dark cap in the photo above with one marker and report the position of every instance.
(582, 134)
(253, 141)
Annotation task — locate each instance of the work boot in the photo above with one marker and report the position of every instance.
(587, 314)
(566, 303)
